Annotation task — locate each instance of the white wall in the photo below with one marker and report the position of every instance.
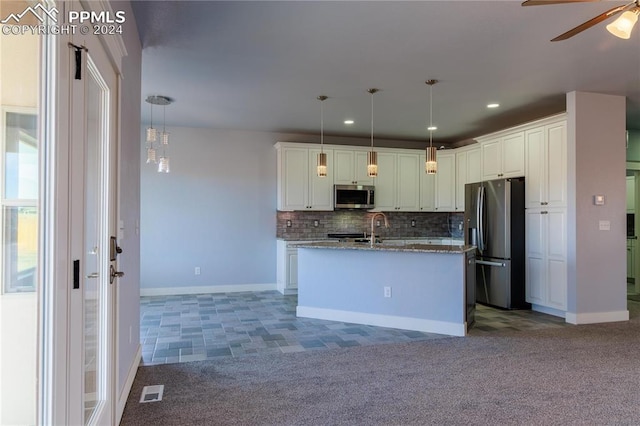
(128, 287)
(215, 210)
(596, 153)
(18, 312)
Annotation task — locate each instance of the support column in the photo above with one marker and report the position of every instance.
(596, 166)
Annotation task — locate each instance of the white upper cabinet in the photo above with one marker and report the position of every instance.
(446, 182)
(546, 166)
(474, 165)
(503, 156)
(468, 170)
(398, 182)
(408, 188)
(427, 191)
(351, 168)
(386, 182)
(299, 187)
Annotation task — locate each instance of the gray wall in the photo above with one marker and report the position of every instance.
(216, 209)
(596, 152)
(128, 290)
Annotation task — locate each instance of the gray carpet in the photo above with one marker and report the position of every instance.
(579, 375)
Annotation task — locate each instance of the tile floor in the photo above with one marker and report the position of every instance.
(208, 326)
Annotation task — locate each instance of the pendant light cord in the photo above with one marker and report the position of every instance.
(321, 125)
(372, 92)
(430, 115)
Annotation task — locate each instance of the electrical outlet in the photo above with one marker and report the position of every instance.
(387, 291)
(288, 223)
(197, 271)
(460, 226)
(315, 223)
(413, 223)
(378, 223)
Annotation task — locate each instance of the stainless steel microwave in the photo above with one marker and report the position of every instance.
(354, 197)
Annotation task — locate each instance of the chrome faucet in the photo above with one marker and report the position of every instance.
(386, 225)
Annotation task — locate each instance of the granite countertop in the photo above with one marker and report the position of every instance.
(322, 239)
(415, 248)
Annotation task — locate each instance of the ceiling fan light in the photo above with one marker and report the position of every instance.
(622, 26)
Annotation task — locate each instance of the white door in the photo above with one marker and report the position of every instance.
(93, 142)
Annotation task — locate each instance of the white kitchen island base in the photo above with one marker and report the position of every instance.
(348, 283)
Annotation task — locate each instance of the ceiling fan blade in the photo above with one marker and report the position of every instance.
(545, 2)
(591, 22)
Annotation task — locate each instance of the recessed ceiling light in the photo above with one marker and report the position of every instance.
(432, 128)
(348, 121)
(494, 105)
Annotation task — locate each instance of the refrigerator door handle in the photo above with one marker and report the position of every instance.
(488, 263)
(480, 218)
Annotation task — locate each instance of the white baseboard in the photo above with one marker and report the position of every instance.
(549, 311)
(131, 375)
(392, 321)
(597, 317)
(170, 291)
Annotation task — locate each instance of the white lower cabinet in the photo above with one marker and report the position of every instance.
(287, 268)
(546, 258)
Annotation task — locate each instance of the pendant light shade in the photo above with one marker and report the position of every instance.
(372, 164)
(431, 164)
(322, 164)
(622, 26)
(321, 168)
(151, 155)
(152, 135)
(372, 156)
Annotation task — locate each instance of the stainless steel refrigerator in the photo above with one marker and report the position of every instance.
(494, 221)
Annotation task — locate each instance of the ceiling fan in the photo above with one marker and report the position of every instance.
(621, 27)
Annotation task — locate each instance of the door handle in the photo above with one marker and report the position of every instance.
(115, 274)
(486, 262)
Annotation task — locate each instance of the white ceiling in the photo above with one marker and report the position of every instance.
(261, 65)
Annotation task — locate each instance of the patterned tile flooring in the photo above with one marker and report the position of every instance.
(208, 326)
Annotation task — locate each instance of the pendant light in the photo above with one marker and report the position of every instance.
(152, 134)
(322, 156)
(622, 26)
(431, 165)
(372, 156)
(163, 165)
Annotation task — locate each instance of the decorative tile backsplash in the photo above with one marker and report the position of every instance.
(316, 225)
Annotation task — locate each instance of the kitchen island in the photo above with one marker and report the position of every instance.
(419, 287)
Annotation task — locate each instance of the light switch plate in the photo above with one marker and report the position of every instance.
(598, 200)
(605, 225)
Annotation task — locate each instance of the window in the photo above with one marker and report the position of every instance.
(19, 194)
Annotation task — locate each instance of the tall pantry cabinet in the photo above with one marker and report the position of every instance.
(546, 215)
